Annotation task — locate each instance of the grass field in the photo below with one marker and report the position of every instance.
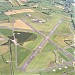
(22, 54)
(71, 50)
(5, 70)
(3, 39)
(60, 39)
(42, 60)
(51, 21)
(13, 2)
(33, 43)
(4, 49)
(48, 47)
(6, 32)
(18, 11)
(6, 24)
(21, 25)
(63, 56)
(3, 58)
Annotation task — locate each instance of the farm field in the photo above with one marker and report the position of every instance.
(21, 25)
(47, 26)
(8, 25)
(6, 32)
(22, 54)
(18, 11)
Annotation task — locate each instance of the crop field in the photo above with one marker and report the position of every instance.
(4, 49)
(22, 54)
(13, 2)
(21, 25)
(47, 26)
(6, 32)
(3, 59)
(5, 70)
(48, 47)
(8, 25)
(41, 61)
(3, 39)
(18, 11)
(50, 21)
(64, 27)
(17, 2)
(59, 6)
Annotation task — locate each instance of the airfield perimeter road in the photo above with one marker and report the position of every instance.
(42, 44)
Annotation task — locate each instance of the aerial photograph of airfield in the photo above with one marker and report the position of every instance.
(37, 37)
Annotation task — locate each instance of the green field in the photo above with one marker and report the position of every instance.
(3, 58)
(48, 47)
(64, 26)
(4, 39)
(41, 61)
(63, 56)
(22, 54)
(6, 32)
(33, 43)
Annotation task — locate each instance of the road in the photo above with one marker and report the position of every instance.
(40, 46)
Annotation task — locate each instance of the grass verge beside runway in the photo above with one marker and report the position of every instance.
(41, 61)
(48, 47)
(3, 59)
(63, 56)
(71, 51)
(22, 54)
(6, 32)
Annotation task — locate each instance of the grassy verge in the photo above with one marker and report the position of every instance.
(64, 57)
